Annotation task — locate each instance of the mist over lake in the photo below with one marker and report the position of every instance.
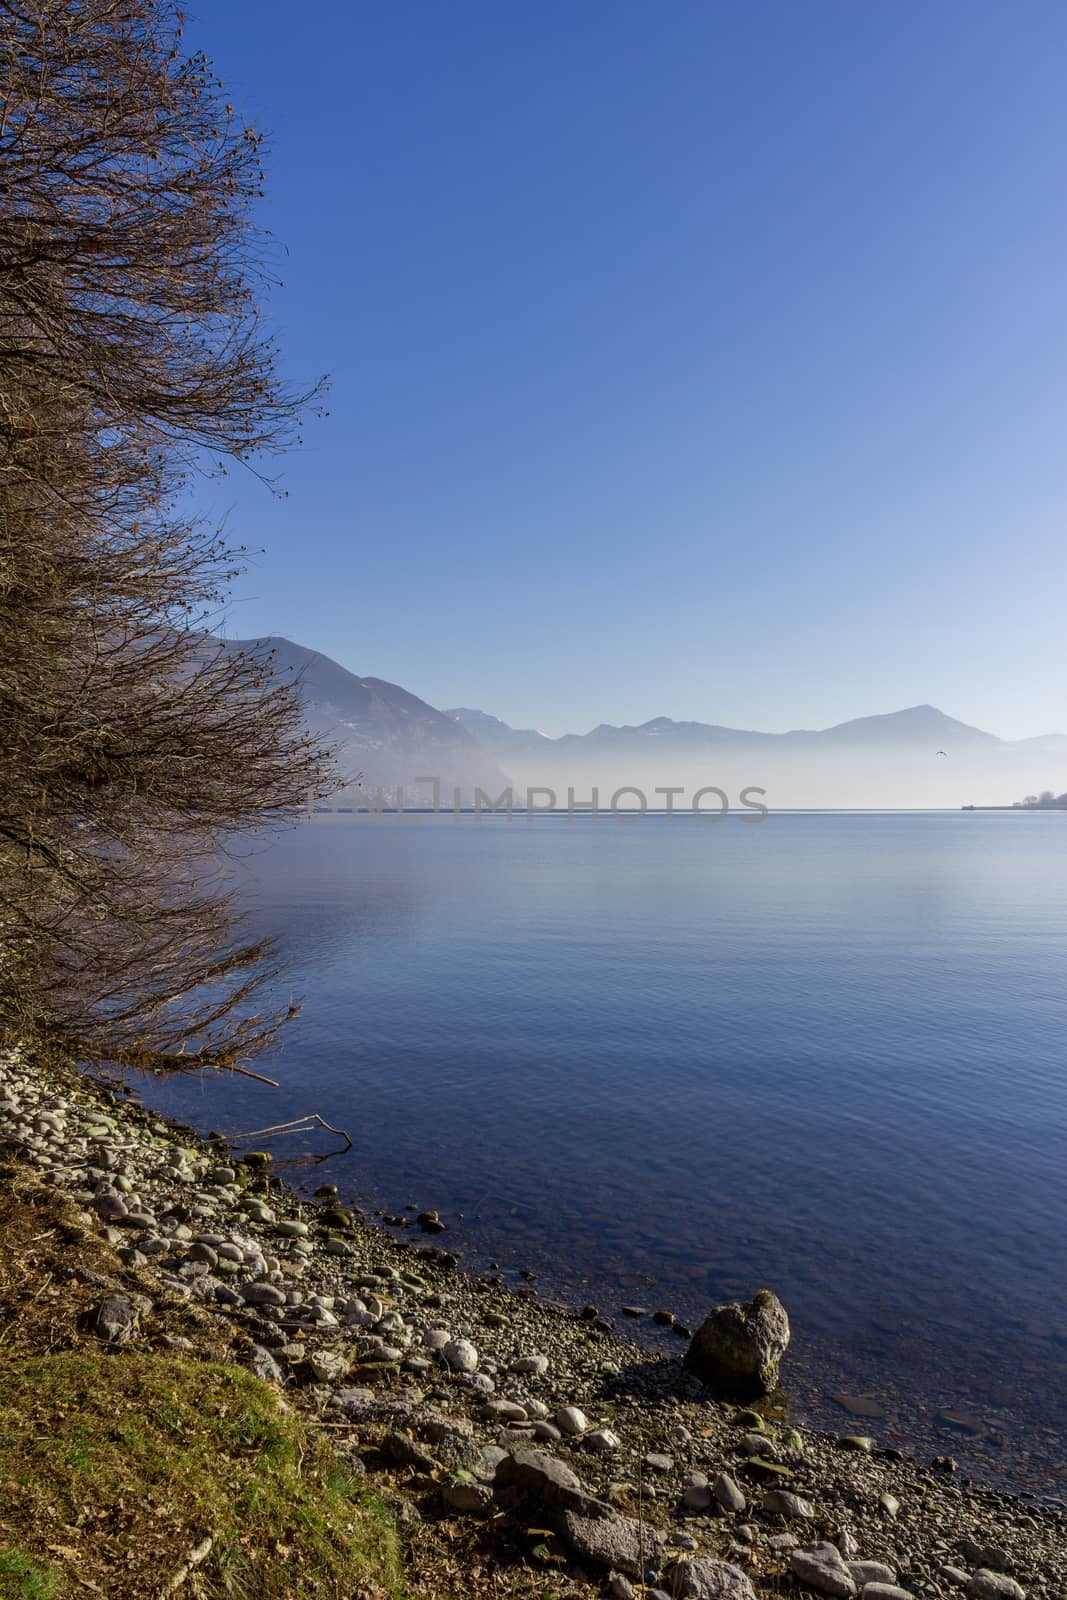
(666, 1063)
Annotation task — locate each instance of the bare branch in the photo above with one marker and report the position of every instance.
(132, 354)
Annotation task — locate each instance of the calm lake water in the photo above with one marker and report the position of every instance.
(668, 1062)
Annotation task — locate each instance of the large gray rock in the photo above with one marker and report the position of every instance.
(533, 1470)
(738, 1348)
(708, 1580)
(822, 1567)
(550, 1482)
(621, 1543)
(116, 1319)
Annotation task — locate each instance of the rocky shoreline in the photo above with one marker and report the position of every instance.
(596, 1461)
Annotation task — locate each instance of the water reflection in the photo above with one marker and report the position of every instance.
(672, 1063)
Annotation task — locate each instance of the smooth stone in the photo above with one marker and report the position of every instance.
(728, 1494)
(571, 1421)
(658, 1463)
(603, 1441)
(263, 1294)
(889, 1504)
(504, 1411)
(530, 1366)
(822, 1567)
(138, 1220)
(290, 1228)
(885, 1591)
(987, 1585)
(871, 1572)
(786, 1504)
(204, 1253)
(698, 1497)
(460, 1355)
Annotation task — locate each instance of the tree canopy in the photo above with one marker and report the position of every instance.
(133, 354)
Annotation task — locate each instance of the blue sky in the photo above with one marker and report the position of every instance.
(706, 360)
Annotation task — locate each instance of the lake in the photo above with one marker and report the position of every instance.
(669, 1061)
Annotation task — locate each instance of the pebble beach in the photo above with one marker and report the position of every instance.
(598, 1458)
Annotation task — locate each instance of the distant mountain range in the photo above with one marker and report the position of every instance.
(392, 738)
(918, 725)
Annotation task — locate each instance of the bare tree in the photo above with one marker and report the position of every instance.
(132, 354)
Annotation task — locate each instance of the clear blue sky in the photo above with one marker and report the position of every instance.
(706, 360)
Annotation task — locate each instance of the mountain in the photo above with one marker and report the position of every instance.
(918, 725)
(382, 733)
(493, 734)
(391, 737)
(886, 760)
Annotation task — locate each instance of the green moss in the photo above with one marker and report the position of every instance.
(139, 1459)
(22, 1579)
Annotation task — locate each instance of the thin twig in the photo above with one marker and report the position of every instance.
(298, 1125)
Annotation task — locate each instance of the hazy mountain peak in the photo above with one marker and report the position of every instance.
(923, 721)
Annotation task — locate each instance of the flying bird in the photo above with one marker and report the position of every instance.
(941, 752)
